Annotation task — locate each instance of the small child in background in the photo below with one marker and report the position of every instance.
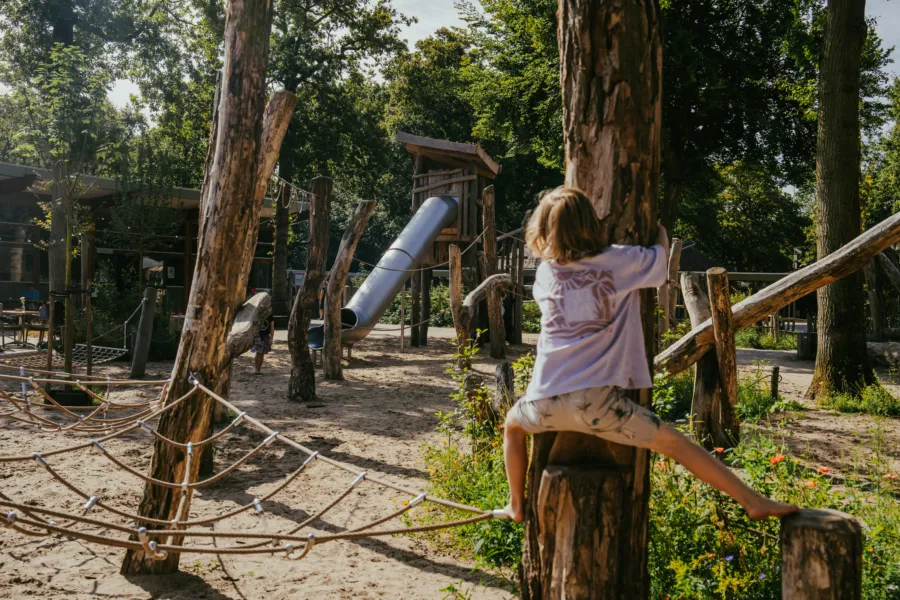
(591, 349)
(262, 345)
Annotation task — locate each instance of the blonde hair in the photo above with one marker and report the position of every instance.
(564, 227)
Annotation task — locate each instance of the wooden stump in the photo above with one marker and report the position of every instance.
(726, 353)
(335, 294)
(302, 387)
(821, 556)
(582, 561)
(773, 382)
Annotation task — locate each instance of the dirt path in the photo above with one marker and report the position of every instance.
(377, 420)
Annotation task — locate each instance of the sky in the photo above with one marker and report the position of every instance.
(434, 14)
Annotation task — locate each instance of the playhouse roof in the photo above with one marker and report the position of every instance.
(451, 153)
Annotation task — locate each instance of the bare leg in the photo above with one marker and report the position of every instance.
(515, 453)
(258, 361)
(705, 467)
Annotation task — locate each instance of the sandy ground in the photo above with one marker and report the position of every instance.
(376, 420)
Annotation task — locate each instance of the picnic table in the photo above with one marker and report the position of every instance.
(24, 319)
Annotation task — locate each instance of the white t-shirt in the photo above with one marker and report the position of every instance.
(591, 334)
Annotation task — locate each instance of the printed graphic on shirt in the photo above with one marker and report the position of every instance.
(579, 303)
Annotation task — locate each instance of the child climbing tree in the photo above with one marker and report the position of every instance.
(586, 523)
(243, 148)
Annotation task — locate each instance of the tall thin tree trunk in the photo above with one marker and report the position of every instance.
(240, 165)
(587, 514)
(281, 304)
(842, 362)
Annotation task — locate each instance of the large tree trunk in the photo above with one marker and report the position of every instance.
(231, 200)
(841, 360)
(339, 270)
(302, 387)
(578, 543)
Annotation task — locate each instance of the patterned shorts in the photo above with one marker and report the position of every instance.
(603, 411)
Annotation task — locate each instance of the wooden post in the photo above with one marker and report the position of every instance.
(89, 328)
(849, 259)
(709, 399)
(403, 319)
(247, 136)
(426, 307)
(506, 385)
(415, 308)
(489, 219)
(674, 265)
(726, 353)
(51, 322)
(665, 291)
(519, 291)
(456, 302)
(302, 387)
(821, 556)
(586, 524)
(773, 384)
(335, 293)
(494, 313)
(876, 310)
(188, 265)
(144, 334)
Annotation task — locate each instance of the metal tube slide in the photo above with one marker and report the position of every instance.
(386, 280)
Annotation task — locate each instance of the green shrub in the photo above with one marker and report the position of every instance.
(751, 338)
(440, 308)
(755, 399)
(531, 317)
(672, 397)
(873, 399)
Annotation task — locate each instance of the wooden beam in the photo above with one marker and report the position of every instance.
(456, 303)
(437, 184)
(335, 294)
(836, 265)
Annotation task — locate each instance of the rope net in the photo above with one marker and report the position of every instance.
(25, 399)
(35, 360)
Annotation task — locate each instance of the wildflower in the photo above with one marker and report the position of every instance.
(762, 576)
(661, 464)
(729, 558)
(890, 476)
(776, 459)
(822, 469)
(500, 426)
(719, 450)
(431, 471)
(443, 442)
(809, 484)
(710, 555)
(406, 503)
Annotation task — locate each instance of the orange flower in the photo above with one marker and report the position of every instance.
(822, 469)
(719, 450)
(661, 464)
(500, 426)
(776, 459)
(710, 555)
(809, 484)
(890, 476)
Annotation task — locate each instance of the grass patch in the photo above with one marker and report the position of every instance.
(872, 400)
(752, 338)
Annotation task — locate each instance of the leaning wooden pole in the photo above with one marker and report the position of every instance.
(586, 529)
(141, 350)
(331, 355)
(849, 259)
(302, 386)
(241, 162)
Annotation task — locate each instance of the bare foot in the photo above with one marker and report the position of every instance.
(517, 515)
(764, 508)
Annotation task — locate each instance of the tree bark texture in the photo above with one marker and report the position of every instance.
(491, 285)
(611, 75)
(821, 556)
(494, 301)
(331, 355)
(726, 420)
(709, 396)
(249, 134)
(841, 360)
(302, 387)
(849, 259)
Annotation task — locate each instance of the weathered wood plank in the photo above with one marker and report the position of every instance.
(726, 357)
(821, 556)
